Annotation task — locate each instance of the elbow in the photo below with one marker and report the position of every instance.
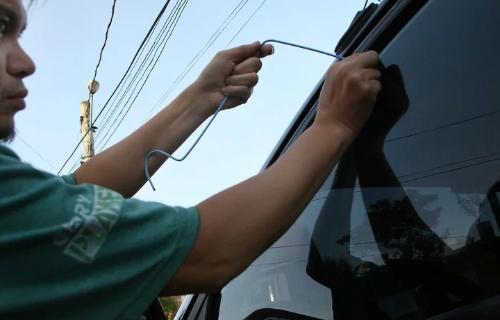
(207, 277)
(220, 274)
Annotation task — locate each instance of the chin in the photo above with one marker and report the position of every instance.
(7, 133)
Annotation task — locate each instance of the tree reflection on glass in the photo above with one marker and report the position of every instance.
(415, 278)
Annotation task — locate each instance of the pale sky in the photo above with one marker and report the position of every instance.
(64, 38)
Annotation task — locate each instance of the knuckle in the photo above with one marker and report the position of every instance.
(227, 68)
(230, 80)
(255, 78)
(257, 63)
(373, 56)
(353, 78)
(338, 69)
(220, 54)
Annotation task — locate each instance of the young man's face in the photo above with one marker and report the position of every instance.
(15, 65)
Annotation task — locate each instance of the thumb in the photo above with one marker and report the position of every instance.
(241, 53)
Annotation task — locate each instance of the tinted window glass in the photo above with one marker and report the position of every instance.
(410, 229)
(277, 279)
(421, 234)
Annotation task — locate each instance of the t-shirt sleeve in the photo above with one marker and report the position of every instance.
(83, 251)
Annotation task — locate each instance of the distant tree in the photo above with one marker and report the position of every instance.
(170, 306)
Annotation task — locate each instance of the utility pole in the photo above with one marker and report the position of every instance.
(86, 127)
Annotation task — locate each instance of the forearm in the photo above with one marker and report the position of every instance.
(238, 224)
(231, 73)
(241, 222)
(121, 167)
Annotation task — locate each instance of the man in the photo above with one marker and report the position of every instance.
(77, 247)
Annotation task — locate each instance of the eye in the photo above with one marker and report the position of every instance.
(4, 25)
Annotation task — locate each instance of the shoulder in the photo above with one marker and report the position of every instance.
(7, 154)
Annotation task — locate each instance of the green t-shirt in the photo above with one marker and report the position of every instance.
(72, 251)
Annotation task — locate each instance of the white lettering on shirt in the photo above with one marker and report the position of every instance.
(86, 232)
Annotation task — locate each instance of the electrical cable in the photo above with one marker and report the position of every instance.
(111, 109)
(452, 170)
(99, 60)
(200, 53)
(160, 14)
(35, 151)
(450, 164)
(161, 44)
(105, 41)
(143, 84)
(246, 22)
(452, 124)
(159, 38)
(219, 108)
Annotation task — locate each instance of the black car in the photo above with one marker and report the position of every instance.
(407, 224)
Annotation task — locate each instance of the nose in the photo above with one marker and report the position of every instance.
(19, 63)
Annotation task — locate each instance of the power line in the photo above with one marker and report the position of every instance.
(121, 95)
(162, 44)
(97, 68)
(246, 22)
(35, 151)
(450, 164)
(114, 105)
(111, 110)
(451, 124)
(201, 52)
(105, 40)
(452, 170)
(136, 96)
(160, 14)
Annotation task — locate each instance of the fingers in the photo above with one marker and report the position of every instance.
(245, 62)
(249, 65)
(241, 53)
(349, 92)
(371, 74)
(368, 59)
(241, 92)
(374, 86)
(266, 50)
(247, 79)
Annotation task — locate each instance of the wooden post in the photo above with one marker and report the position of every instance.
(85, 123)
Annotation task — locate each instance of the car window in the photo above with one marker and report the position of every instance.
(421, 236)
(409, 229)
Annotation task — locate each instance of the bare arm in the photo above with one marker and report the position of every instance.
(121, 168)
(238, 224)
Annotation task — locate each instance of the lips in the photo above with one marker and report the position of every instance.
(17, 98)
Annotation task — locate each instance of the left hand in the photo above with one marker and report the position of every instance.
(392, 103)
(232, 73)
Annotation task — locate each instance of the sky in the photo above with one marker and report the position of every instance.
(64, 39)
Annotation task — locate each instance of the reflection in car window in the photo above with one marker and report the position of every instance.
(423, 235)
(411, 227)
(277, 278)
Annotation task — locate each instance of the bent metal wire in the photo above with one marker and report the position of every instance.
(219, 108)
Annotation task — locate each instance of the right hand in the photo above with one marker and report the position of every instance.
(349, 93)
(231, 73)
